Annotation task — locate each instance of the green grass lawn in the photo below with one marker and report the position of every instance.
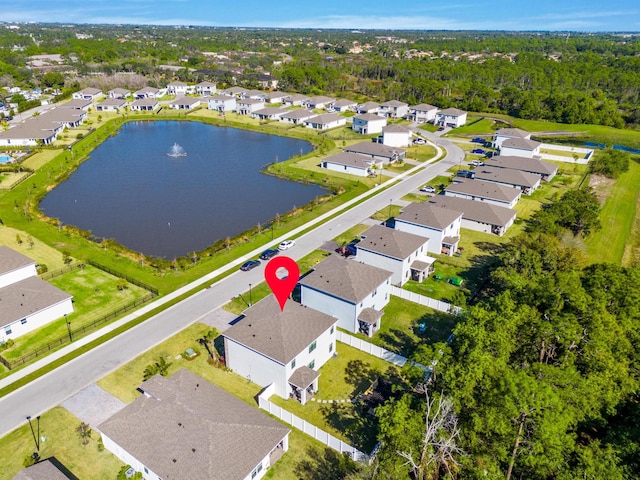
(40, 252)
(387, 213)
(352, 233)
(475, 126)
(415, 198)
(421, 153)
(345, 376)
(95, 294)
(398, 167)
(8, 179)
(617, 218)
(58, 426)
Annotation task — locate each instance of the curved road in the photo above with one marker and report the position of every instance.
(51, 389)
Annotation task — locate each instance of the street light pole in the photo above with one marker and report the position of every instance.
(35, 439)
(68, 327)
(250, 297)
(390, 200)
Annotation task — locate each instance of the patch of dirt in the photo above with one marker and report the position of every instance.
(601, 186)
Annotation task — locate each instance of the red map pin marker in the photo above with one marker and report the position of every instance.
(282, 287)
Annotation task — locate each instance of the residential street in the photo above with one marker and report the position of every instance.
(53, 388)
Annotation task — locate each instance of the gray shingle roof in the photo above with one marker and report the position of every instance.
(76, 103)
(280, 335)
(507, 175)
(377, 149)
(344, 103)
(521, 143)
(370, 315)
(303, 377)
(325, 118)
(423, 107)
(394, 103)
(186, 101)
(27, 297)
(395, 129)
(11, 260)
(320, 99)
(482, 212)
(428, 216)
(113, 102)
(390, 242)
(298, 114)
(480, 188)
(368, 106)
(145, 102)
(349, 159)
(512, 132)
(370, 117)
(189, 428)
(346, 279)
(525, 164)
(270, 111)
(44, 470)
(451, 112)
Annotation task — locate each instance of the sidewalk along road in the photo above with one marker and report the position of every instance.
(52, 388)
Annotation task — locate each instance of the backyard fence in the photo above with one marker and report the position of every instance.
(307, 428)
(74, 334)
(425, 301)
(371, 349)
(129, 279)
(61, 271)
(587, 152)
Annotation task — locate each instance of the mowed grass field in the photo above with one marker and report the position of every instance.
(40, 252)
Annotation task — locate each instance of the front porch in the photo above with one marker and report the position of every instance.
(304, 384)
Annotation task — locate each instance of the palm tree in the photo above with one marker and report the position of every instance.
(84, 432)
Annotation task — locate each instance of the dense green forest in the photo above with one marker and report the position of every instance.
(567, 78)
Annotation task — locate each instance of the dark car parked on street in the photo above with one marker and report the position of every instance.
(251, 264)
(269, 253)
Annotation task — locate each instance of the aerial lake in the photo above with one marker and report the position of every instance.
(131, 190)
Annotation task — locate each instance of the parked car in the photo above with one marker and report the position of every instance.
(347, 250)
(477, 163)
(490, 154)
(465, 173)
(428, 189)
(440, 129)
(419, 141)
(286, 245)
(251, 264)
(478, 140)
(478, 151)
(269, 253)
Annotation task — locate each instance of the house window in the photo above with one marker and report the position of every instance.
(312, 364)
(23, 321)
(256, 470)
(146, 470)
(293, 363)
(331, 331)
(331, 347)
(312, 347)
(7, 330)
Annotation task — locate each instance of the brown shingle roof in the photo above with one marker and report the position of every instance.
(189, 428)
(391, 243)
(27, 297)
(482, 212)
(346, 279)
(280, 335)
(428, 216)
(11, 260)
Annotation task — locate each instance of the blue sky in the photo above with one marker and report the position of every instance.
(575, 15)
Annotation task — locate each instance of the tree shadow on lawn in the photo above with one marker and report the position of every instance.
(478, 275)
(354, 421)
(435, 327)
(325, 465)
(399, 341)
(359, 374)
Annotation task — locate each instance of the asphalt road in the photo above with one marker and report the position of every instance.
(51, 389)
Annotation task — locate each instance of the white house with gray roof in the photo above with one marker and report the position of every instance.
(520, 147)
(396, 136)
(206, 89)
(377, 151)
(325, 121)
(119, 93)
(507, 134)
(394, 109)
(319, 101)
(546, 170)
(185, 103)
(296, 100)
(247, 106)
(368, 107)
(479, 216)
(296, 116)
(344, 105)
(451, 117)
(145, 105)
(26, 301)
(440, 225)
(88, 93)
(526, 182)
(222, 103)
(179, 88)
(352, 163)
(284, 348)
(351, 291)
(111, 105)
(368, 123)
(404, 254)
(422, 113)
(483, 191)
(185, 427)
(268, 113)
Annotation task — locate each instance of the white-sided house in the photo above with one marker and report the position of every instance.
(26, 301)
(177, 427)
(185, 103)
(319, 101)
(119, 93)
(520, 147)
(482, 191)
(526, 182)
(396, 136)
(296, 100)
(394, 109)
(111, 105)
(352, 163)
(179, 88)
(144, 105)
(247, 106)
(402, 253)
(206, 89)
(283, 348)
(275, 97)
(77, 104)
(368, 107)
(422, 113)
(440, 225)
(377, 151)
(35, 130)
(325, 121)
(222, 103)
(479, 216)
(67, 117)
(351, 291)
(368, 123)
(255, 95)
(546, 170)
(451, 117)
(268, 113)
(344, 105)
(87, 94)
(149, 92)
(296, 116)
(508, 133)
(234, 91)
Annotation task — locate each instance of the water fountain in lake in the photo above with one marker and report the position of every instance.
(177, 151)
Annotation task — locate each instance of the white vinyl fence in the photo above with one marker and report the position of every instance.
(371, 349)
(307, 428)
(587, 152)
(425, 301)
